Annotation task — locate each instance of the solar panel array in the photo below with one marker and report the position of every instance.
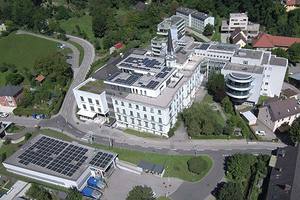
(101, 159)
(69, 160)
(165, 71)
(41, 153)
(141, 63)
(55, 155)
(129, 81)
(152, 84)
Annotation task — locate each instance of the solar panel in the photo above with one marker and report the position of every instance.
(152, 84)
(101, 159)
(58, 156)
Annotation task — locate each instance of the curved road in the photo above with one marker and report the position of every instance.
(65, 122)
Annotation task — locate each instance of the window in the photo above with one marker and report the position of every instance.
(122, 103)
(160, 127)
(144, 108)
(90, 100)
(84, 106)
(130, 106)
(266, 83)
(81, 98)
(118, 110)
(97, 102)
(119, 117)
(139, 122)
(92, 108)
(146, 124)
(138, 115)
(131, 113)
(125, 119)
(132, 120)
(99, 110)
(159, 112)
(153, 126)
(151, 110)
(159, 120)
(124, 112)
(137, 107)
(152, 118)
(145, 116)
(116, 102)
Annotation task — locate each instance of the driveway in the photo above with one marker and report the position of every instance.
(259, 126)
(121, 182)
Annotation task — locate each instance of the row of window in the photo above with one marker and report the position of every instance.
(92, 108)
(139, 122)
(137, 107)
(90, 100)
(138, 115)
(213, 55)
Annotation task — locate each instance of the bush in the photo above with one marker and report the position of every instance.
(28, 136)
(3, 69)
(3, 156)
(7, 142)
(195, 165)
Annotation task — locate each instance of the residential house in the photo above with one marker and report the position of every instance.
(238, 37)
(9, 97)
(240, 20)
(284, 181)
(266, 41)
(291, 4)
(277, 112)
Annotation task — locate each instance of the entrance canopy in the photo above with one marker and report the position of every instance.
(85, 113)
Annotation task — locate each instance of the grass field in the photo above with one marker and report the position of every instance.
(23, 51)
(175, 165)
(84, 23)
(141, 134)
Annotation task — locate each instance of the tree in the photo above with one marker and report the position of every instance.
(99, 23)
(28, 136)
(294, 52)
(227, 105)
(141, 193)
(239, 166)
(73, 194)
(295, 131)
(280, 52)
(38, 193)
(14, 79)
(194, 165)
(230, 191)
(208, 30)
(3, 156)
(216, 86)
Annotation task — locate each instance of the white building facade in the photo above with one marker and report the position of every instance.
(194, 19)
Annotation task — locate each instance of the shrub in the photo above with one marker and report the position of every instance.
(3, 69)
(195, 165)
(28, 136)
(7, 142)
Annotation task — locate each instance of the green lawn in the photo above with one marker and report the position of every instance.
(84, 23)
(23, 51)
(175, 165)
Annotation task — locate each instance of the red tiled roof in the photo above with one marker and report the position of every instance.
(264, 40)
(119, 45)
(292, 2)
(40, 78)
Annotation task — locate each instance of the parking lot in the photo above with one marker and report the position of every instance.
(121, 182)
(259, 126)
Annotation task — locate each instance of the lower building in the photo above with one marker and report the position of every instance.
(9, 97)
(284, 181)
(278, 112)
(59, 162)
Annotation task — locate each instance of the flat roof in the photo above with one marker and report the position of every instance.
(247, 53)
(278, 61)
(244, 68)
(93, 86)
(59, 158)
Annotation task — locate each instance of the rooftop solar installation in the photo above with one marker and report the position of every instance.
(56, 157)
(140, 62)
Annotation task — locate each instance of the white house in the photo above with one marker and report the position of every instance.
(277, 112)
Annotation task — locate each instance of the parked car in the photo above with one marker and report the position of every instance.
(260, 133)
(38, 116)
(3, 114)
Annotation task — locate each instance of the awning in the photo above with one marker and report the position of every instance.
(86, 113)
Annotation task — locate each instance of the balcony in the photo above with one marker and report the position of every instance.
(238, 95)
(238, 86)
